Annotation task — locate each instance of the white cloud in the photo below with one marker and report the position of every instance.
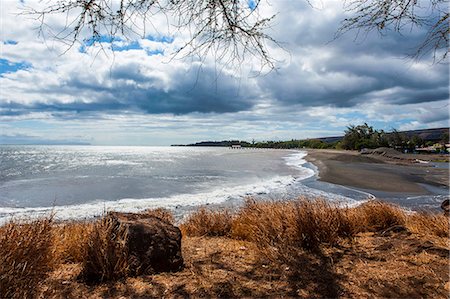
(134, 97)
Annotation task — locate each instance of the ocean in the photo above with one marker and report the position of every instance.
(76, 182)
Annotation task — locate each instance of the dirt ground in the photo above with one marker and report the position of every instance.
(373, 265)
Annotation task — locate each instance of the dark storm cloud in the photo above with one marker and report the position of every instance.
(201, 90)
(353, 68)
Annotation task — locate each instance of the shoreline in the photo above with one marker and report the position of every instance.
(343, 174)
(384, 178)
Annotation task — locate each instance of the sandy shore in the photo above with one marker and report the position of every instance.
(378, 174)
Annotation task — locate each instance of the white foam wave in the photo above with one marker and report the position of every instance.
(98, 207)
(296, 161)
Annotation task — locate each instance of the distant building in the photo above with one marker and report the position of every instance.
(233, 146)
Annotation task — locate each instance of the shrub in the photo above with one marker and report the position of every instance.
(25, 257)
(71, 241)
(282, 228)
(207, 223)
(107, 254)
(427, 223)
(377, 215)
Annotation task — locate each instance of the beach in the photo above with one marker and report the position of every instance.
(380, 175)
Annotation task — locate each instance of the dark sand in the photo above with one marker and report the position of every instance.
(378, 174)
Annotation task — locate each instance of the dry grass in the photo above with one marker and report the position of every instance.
(160, 213)
(106, 253)
(283, 230)
(71, 241)
(376, 216)
(429, 224)
(207, 223)
(25, 257)
(304, 235)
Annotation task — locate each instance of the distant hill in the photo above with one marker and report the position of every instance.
(433, 135)
(426, 135)
(217, 143)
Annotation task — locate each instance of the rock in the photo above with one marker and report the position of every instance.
(154, 245)
(126, 244)
(445, 205)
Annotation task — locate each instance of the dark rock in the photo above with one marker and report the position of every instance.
(154, 245)
(125, 244)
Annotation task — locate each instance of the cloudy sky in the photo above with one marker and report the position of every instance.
(135, 93)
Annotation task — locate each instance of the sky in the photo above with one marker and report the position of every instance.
(135, 92)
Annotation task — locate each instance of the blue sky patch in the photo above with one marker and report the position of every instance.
(160, 39)
(7, 66)
(10, 42)
(155, 52)
(126, 46)
(252, 4)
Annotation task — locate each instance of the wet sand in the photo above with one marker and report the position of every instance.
(377, 174)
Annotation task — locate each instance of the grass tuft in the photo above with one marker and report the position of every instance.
(207, 223)
(25, 257)
(426, 223)
(377, 215)
(71, 241)
(106, 253)
(160, 213)
(282, 228)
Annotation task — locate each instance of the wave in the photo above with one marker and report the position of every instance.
(99, 207)
(281, 187)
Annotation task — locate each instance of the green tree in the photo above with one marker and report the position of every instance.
(358, 137)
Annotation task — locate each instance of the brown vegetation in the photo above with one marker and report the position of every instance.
(291, 248)
(106, 253)
(25, 257)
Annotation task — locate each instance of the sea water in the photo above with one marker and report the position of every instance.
(76, 182)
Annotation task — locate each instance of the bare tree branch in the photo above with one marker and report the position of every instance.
(401, 15)
(230, 29)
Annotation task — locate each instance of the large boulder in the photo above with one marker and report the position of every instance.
(126, 244)
(154, 245)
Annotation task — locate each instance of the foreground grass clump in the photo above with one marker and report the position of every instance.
(26, 256)
(377, 215)
(208, 223)
(281, 228)
(426, 223)
(106, 253)
(70, 241)
(301, 224)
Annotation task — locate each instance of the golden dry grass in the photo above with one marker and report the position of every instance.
(25, 257)
(71, 241)
(302, 234)
(106, 253)
(207, 223)
(429, 224)
(301, 223)
(377, 215)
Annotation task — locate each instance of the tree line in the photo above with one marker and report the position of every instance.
(357, 137)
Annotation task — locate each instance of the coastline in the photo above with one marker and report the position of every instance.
(380, 176)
